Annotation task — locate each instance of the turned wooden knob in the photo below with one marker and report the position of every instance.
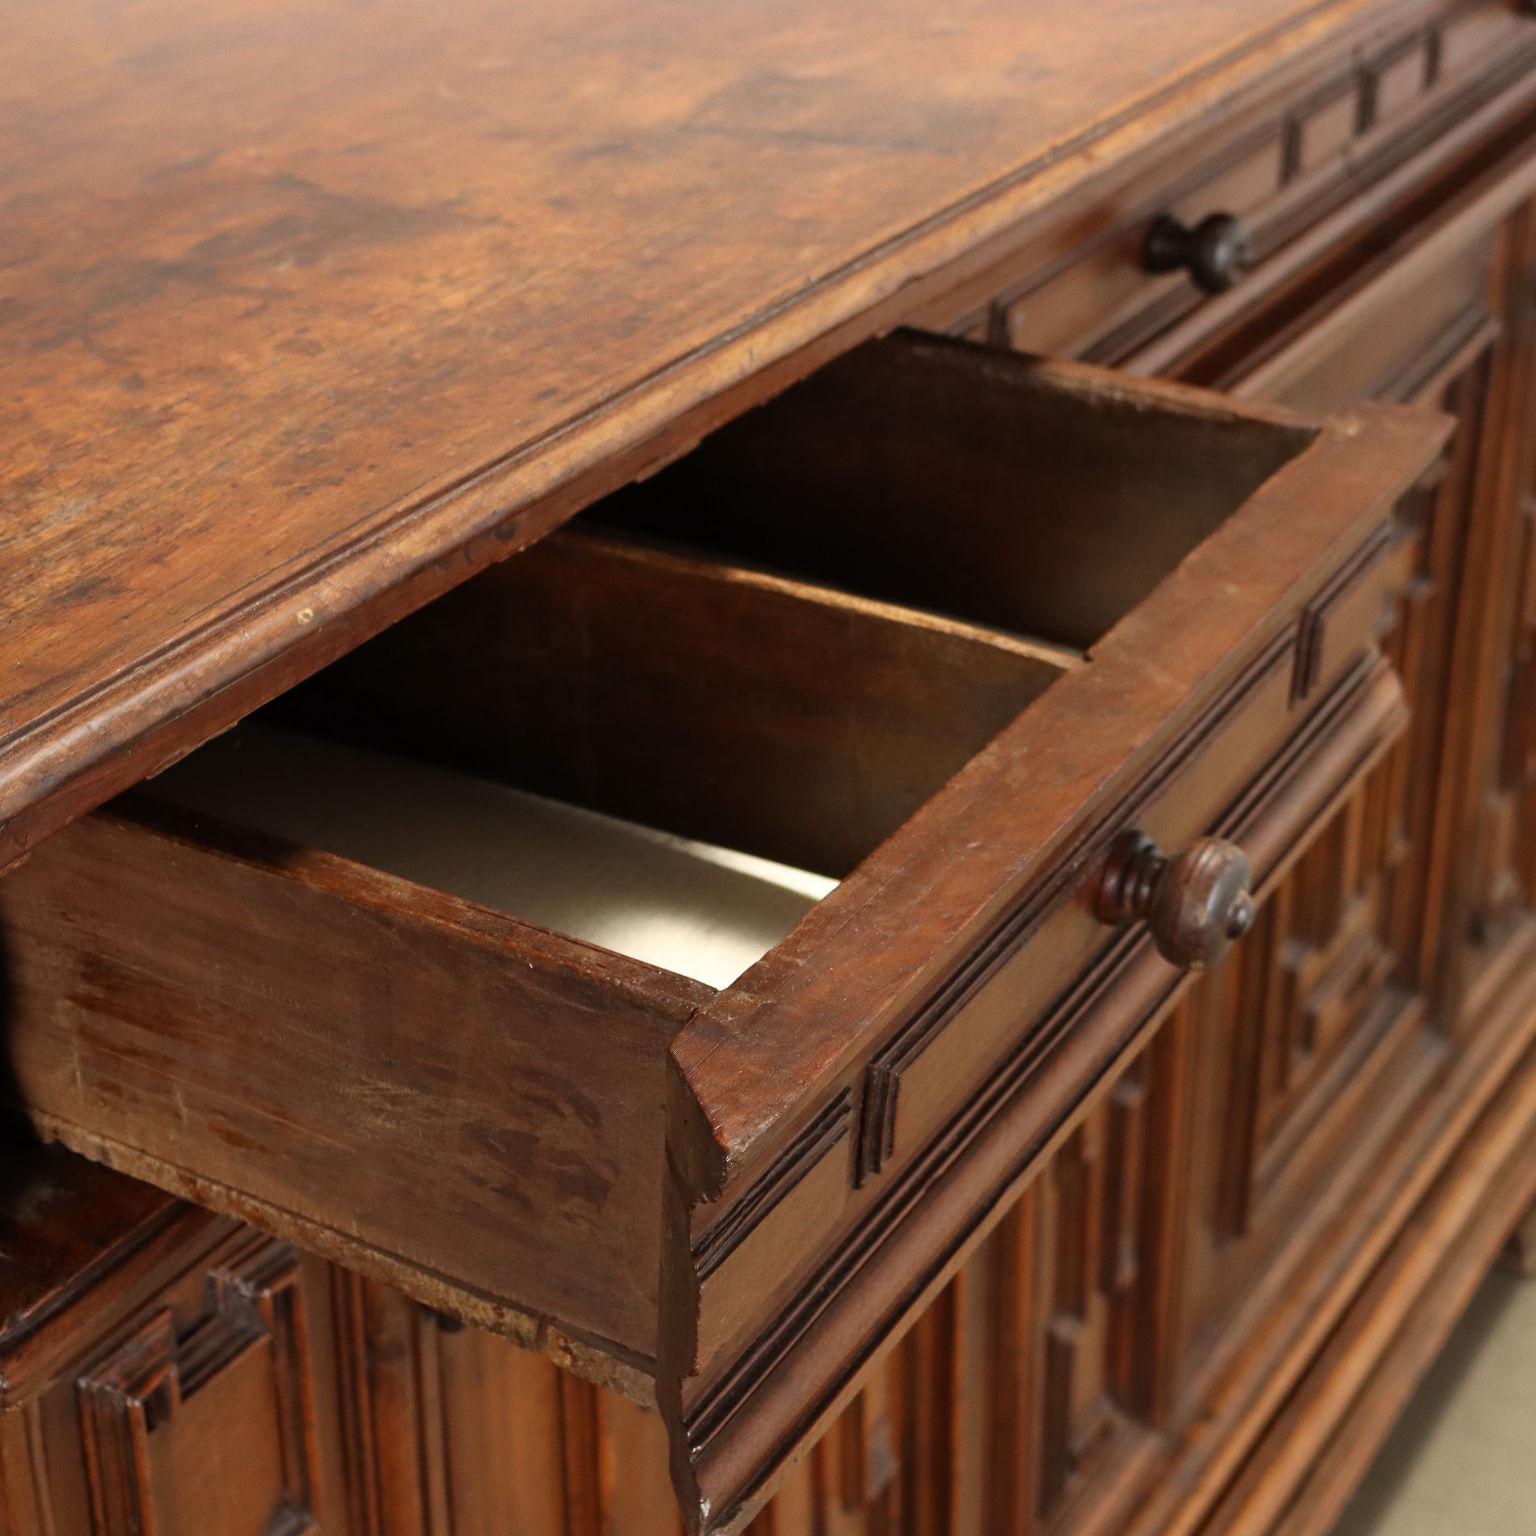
(1194, 905)
(1215, 252)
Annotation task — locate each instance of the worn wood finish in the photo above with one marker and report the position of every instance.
(577, 238)
(1442, 313)
(744, 1348)
(977, 1223)
(1023, 1387)
(394, 1076)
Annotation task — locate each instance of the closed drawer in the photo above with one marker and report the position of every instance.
(1331, 146)
(866, 695)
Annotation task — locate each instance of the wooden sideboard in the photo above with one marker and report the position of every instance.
(1074, 493)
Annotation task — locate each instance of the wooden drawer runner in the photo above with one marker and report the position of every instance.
(937, 629)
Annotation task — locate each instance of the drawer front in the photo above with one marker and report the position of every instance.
(1285, 168)
(922, 1075)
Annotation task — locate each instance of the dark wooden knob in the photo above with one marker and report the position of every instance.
(1194, 905)
(1215, 252)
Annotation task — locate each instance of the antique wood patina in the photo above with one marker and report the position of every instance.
(1068, 491)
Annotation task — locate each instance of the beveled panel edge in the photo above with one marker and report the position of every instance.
(824, 1132)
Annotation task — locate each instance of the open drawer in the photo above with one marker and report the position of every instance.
(835, 762)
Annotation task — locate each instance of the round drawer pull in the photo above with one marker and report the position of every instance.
(1194, 904)
(1215, 253)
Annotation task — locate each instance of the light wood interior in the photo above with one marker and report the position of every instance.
(688, 907)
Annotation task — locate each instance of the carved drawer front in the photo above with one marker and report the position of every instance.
(936, 718)
(206, 1423)
(1188, 231)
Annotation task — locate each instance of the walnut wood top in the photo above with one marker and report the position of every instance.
(309, 308)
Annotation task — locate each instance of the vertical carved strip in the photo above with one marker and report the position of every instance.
(1015, 1448)
(26, 1505)
(881, 1474)
(1505, 873)
(928, 1413)
(120, 1402)
(580, 1457)
(976, 1306)
(637, 1491)
(358, 1441)
(1154, 1341)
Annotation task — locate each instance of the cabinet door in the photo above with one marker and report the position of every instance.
(1449, 323)
(1440, 310)
(1369, 964)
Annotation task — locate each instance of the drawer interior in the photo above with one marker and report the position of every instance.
(938, 474)
(754, 667)
(694, 908)
(667, 755)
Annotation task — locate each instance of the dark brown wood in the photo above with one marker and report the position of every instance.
(1215, 252)
(744, 1333)
(1195, 903)
(394, 1076)
(802, 723)
(422, 1431)
(974, 1218)
(956, 480)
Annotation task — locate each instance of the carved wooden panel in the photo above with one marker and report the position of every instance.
(1034, 1365)
(450, 1431)
(206, 1426)
(1457, 333)
(1310, 1042)
(1333, 1014)
(1093, 1285)
(1037, 1365)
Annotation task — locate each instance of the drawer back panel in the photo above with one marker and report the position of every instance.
(926, 475)
(791, 721)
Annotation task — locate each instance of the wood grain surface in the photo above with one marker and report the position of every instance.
(303, 304)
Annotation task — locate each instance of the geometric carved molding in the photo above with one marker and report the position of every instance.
(206, 1426)
(1093, 1289)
